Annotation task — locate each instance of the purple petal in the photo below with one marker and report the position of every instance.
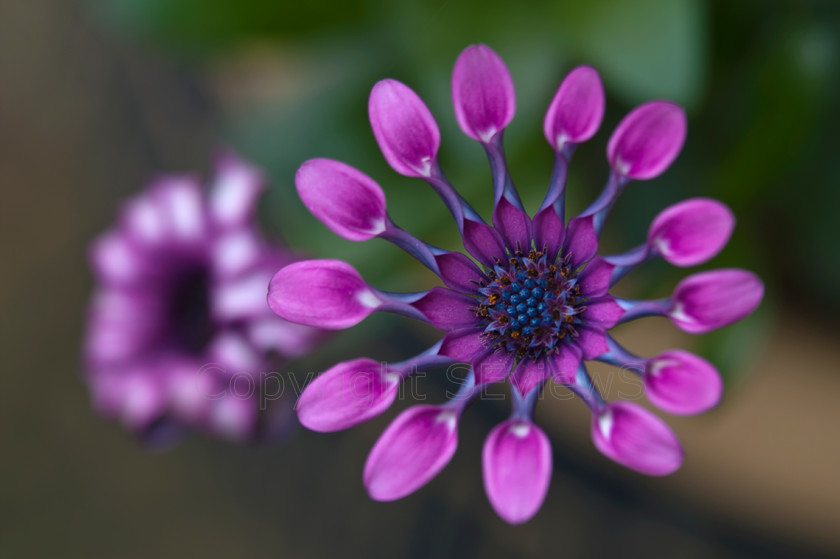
(513, 224)
(411, 451)
(682, 383)
(581, 241)
(576, 111)
(516, 462)
(548, 231)
(241, 299)
(592, 341)
(235, 191)
(233, 351)
(182, 208)
(483, 242)
(324, 293)
(143, 221)
(604, 311)
(446, 309)
(493, 365)
(691, 232)
(237, 251)
(463, 345)
(115, 260)
(346, 200)
(292, 340)
(564, 364)
(143, 397)
(482, 93)
(459, 272)
(710, 300)
(594, 281)
(528, 374)
(647, 140)
(634, 437)
(404, 128)
(347, 394)
(233, 417)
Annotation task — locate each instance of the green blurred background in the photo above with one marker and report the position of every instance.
(97, 96)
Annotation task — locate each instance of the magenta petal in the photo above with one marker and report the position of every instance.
(446, 309)
(603, 311)
(411, 451)
(594, 281)
(564, 364)
(483, 242)
(492, 366)
(581, 241)
(346, 200)
(482, 93)
(324, 293)
(115, 260)
(548, 231)
(459, 272)
(710, 300)
(235, 192)
(592, 341)
(647, 140)
(576, 111)
(463, 345)
(634, 437)
(233, 417)
(682, 383)
(347, 394)
(528, 374)
(514, 224)
(516, 462)
(404, 128)
(691, 232)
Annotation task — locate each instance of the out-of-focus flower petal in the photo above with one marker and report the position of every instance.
(235, 192)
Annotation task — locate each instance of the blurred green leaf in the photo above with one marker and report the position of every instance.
(645, 49)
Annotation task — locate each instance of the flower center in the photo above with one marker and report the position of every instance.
(192, 327)
(530, 305)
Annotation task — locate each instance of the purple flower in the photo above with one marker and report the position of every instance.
(530, 303)
(179, 333)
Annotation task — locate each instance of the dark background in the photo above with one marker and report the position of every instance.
(98, 96)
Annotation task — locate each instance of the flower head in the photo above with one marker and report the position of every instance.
(179, 333)
(529, 301)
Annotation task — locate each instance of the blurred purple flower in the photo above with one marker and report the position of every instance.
(179, 333)
(531, 305)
